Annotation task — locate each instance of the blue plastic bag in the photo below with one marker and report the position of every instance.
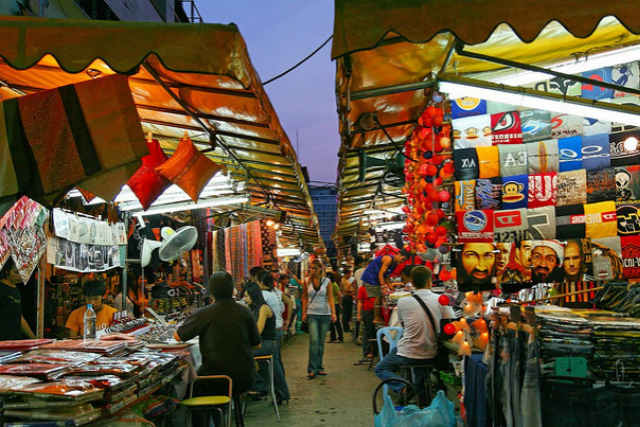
(440, 413)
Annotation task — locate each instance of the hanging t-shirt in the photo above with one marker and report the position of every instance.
(543, 190)
(511, 225)
(543, 156)
(488, 193)
(601, 185)
(471, 132)
(475, 226)
(570, 221)
(506, 128)
(515, 192)
(467, 106)
(594, 91)
(565, 125)
(466, 164)
(607, 258)
(595, 152)
(488, 162)
(465, 195)
(630, 256)
(621, 156)
(513, 160)
(535, 124)
(627, 183)
(628, 218)
(542, 222)
(570, 150)
(572, 188)
(595, 127)
(601, 219)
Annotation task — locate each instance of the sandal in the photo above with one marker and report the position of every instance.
(311, 376)
(322, 373)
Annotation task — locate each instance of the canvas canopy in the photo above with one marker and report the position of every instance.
(389, 55)
(195, 78)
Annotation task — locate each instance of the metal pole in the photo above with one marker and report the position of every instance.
(40, 295)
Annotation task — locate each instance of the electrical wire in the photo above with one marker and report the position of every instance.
(299, 63)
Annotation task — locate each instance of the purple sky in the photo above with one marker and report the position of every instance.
(279, 33)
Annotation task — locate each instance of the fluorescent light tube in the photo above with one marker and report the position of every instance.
(186, 206)
(458, 87)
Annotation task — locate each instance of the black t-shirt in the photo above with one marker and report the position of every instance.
(269, 331)
(226, 332)
(10, 313)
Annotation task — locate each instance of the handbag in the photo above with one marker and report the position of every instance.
(304, 326)
(442, 354)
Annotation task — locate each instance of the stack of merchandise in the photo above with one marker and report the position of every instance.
(590, 367)
(80, 381)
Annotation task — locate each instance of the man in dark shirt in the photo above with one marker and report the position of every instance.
(227, 334)
(14, 327)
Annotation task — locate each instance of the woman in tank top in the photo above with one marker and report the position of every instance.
(318, 310)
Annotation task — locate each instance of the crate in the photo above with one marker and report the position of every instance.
(450, 378)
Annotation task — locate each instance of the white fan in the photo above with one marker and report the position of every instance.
(148, 246)
(174, 243)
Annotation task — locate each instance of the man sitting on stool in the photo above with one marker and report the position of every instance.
(418, 345)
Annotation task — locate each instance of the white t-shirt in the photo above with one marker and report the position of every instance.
(274, 301)
(419, 339)
(358, 276)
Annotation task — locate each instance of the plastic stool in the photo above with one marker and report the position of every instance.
(272, 385)
(209, 402)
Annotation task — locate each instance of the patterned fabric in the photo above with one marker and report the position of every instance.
(543, 190)
(255, 243)
(228, 265)
(543, 156)
(506, 128)
(601, 185)
(570, 221)
(513, 160)
(595, 152)
(620, 156)
(570, 153)
(189, 169)
(147, 184)
(572, 188)
(465, 195)
(471, 132)
(515, 192)
(466, 163)
(601, 219)
(542, 223)
(631, 256)
(488, 162)
(488, 193)
(221, 249)
(536, 125)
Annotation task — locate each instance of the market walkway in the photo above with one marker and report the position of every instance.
(342, 398)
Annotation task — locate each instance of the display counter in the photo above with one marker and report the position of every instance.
(86, 381)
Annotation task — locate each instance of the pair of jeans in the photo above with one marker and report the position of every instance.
(261, 383)
(347, 312)
(387, 368)
(282, 389)
(336, 327)
(369, 332)
(318, 327)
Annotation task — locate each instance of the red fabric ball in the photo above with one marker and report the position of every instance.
(444, 196)
(444, 300)
(449, 328)
(431, 111)
(440, 214)
(431, 238)
(445, 275)
(441, 231)
(431, 170)
(432, 219)
(437, 120)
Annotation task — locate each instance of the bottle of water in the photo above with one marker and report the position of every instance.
(89, 323)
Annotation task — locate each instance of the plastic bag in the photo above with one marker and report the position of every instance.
(440, 413)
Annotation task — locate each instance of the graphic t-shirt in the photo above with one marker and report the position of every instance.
(513, 160)
(572, 188)
(570, 221)
(542, 223)
(542, 190)
(466, 163)
(515, 192)
(601, 185)
(535, 124)
(505, 128)
(465, 195)
(488, 193)
(570, 150)
(488, 162)
(631, 256)
(595, 152)
(601, 219)
(543, 156)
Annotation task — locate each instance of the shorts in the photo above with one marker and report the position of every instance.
(373, 291)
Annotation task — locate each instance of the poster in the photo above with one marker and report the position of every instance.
(477, 266)
(82, 257)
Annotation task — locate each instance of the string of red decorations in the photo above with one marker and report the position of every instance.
(428, 172)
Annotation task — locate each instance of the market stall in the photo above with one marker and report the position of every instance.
(516, 125)
(86, 194)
